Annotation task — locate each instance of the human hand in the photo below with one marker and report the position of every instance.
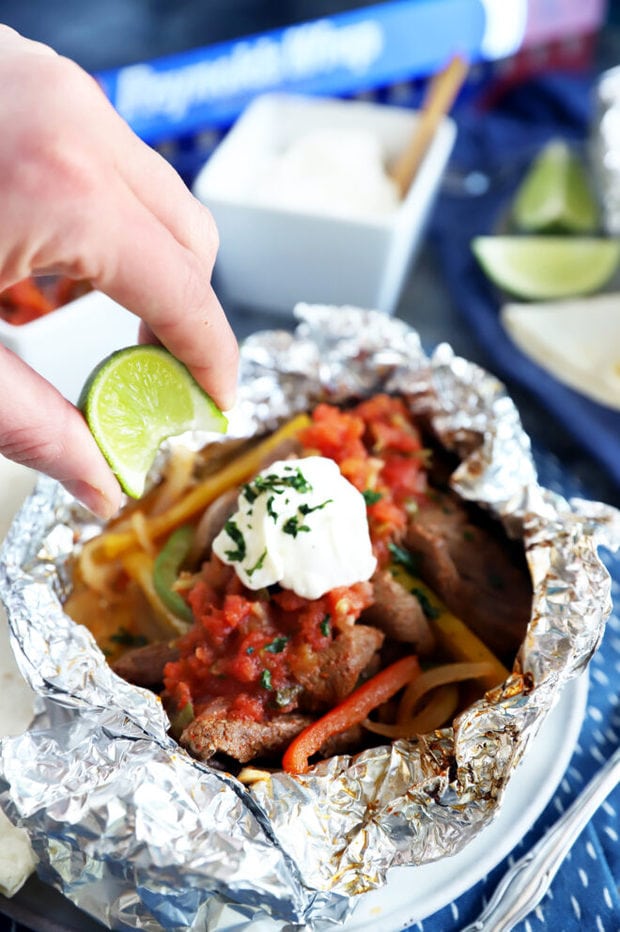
(82, 196)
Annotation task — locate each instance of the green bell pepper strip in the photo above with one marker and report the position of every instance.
(166, 569)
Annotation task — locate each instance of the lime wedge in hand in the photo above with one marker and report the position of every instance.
(134, 400)
(555, 195)
(547, 267)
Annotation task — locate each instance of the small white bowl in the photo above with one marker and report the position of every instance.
(272, 257)
(65, 345)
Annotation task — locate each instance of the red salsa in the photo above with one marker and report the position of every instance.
(253, 648)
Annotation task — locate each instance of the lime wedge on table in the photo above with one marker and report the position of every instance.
(555, 196)
(134, 400)
(547, 267)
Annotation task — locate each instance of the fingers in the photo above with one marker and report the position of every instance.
(211, 353)
(46, 433)
(11, 41)
(144, 267)
(82, 195)
(157, 254)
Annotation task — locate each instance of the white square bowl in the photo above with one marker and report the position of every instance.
(65, 345)
(270, 258)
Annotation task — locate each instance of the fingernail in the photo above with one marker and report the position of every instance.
(93, 498)
(229, 403)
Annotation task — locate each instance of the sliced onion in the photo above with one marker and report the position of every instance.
(179, 475)
(438, 676)
(141, 530)
(441, 706)
(99, 575)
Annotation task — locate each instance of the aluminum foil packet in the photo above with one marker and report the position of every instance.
(605, 147)
(142, 836)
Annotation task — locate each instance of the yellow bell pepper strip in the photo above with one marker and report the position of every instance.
(351, 711)
(166, 568)
(238, 471)
(453, 636)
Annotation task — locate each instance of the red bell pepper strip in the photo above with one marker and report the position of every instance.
(351, 711)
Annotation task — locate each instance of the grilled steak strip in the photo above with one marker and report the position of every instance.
(474, 570)
(144, 666)
(212, 732)
(398, 614)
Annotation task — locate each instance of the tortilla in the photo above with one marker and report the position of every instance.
(577, 341)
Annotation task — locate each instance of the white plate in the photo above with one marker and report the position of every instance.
(411, 894)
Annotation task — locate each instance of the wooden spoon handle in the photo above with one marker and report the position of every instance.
(441, 94)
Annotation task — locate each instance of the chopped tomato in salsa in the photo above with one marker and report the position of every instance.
(254, 648)
(380, 451)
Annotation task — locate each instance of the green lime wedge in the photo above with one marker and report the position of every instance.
(555, 195)
(540, 268)
(134, 400)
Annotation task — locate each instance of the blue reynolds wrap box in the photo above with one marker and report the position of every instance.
(183, 103)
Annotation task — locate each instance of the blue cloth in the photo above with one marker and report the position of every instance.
(584, 894)
(500, 146)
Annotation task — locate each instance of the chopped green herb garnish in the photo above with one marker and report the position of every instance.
(126, 639)
(276, 484)
(293, 527)
(299, 481)
(265, 679)
(237, 538)
(259, 563)
(272, 514)
(308, 509)
(371, 497)
(326, 626)
(249, 650)
(404, 557)
(277, 645)
(249, 494)
(431, 611)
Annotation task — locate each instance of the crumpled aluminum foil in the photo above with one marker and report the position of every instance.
(141, 836)
(605, 147)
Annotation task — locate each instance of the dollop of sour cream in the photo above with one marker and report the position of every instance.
(331, 171)
(299, 523)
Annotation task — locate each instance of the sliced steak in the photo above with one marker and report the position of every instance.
(144, 666)
(398, 614)
(242, 739)
(480, 575)
(327, 677)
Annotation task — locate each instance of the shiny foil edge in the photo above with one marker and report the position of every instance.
(113, 806)
(604, 147)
